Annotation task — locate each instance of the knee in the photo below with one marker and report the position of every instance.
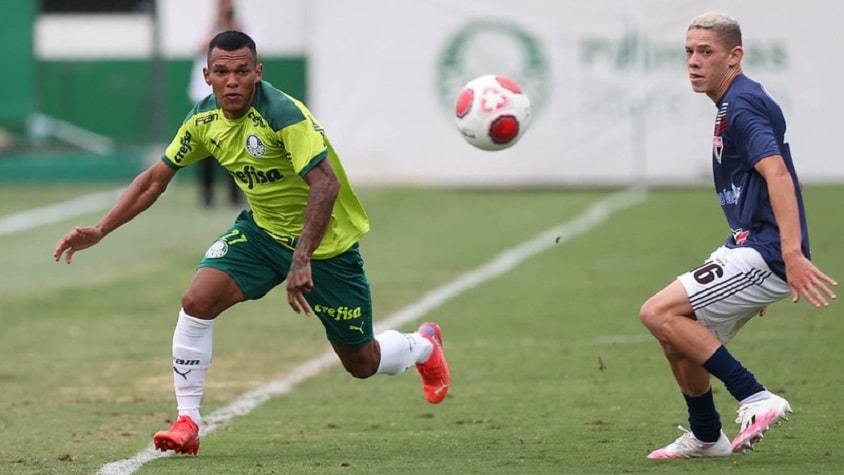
(649, 315)
(210, 293)
(361, 362)
(655, 318)
(360, 370)
(197, 308)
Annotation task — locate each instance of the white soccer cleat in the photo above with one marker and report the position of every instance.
(688, 446)
(756, 418)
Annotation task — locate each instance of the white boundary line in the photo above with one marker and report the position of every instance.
(507, 260)
(58, 212)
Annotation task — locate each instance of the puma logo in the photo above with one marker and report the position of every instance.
(358, 328)
(184, 375)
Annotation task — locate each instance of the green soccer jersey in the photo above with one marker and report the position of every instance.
(267, 152)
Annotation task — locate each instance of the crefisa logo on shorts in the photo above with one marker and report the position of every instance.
(218, 249)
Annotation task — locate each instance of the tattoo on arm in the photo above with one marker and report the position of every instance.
(323, 192)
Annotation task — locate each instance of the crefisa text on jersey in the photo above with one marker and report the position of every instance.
(251, 176)
(185, 147)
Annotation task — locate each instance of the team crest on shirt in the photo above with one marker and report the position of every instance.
(717, 147)
(720, 128)
(255, 146)
(218, 249)
(740, 236)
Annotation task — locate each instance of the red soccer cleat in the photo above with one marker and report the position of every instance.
(182, 438)
(434, 371)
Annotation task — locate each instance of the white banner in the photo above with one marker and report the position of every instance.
(611, 98)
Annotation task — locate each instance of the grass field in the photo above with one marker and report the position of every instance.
(552, 371)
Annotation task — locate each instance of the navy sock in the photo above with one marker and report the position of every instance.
(739, 381)
(704, 420)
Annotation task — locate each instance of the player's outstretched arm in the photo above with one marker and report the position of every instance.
(804, 278)
(140, 195)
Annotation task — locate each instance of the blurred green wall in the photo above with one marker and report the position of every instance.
(16, 20)
(115, 97)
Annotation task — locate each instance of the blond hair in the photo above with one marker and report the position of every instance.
(726, 28)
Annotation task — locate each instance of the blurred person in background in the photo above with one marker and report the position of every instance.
(224, 19)
(302, 228)
(765, 258)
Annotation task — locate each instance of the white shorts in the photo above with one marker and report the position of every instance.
(730, 288)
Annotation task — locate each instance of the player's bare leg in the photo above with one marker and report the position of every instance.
(392, 352)
(211, 292)
(692, 351)
(687, 345)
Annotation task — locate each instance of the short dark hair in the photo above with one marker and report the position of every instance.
(231, 41)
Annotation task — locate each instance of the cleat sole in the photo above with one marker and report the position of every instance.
(753, 434)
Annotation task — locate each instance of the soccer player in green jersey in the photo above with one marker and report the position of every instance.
(303, 229)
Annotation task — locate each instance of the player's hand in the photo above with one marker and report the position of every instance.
(763, 311)
(806, 280)
(299, 283)
(78, 239)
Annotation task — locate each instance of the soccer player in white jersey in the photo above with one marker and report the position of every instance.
(302, 228)
(765, 258)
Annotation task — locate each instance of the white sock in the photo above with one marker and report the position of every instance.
(400, 351)
(192, 344)
(764, 394)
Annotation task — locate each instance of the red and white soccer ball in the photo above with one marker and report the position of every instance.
(492, 112)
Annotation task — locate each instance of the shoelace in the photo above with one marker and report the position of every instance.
(745, 412)
(687, 440)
